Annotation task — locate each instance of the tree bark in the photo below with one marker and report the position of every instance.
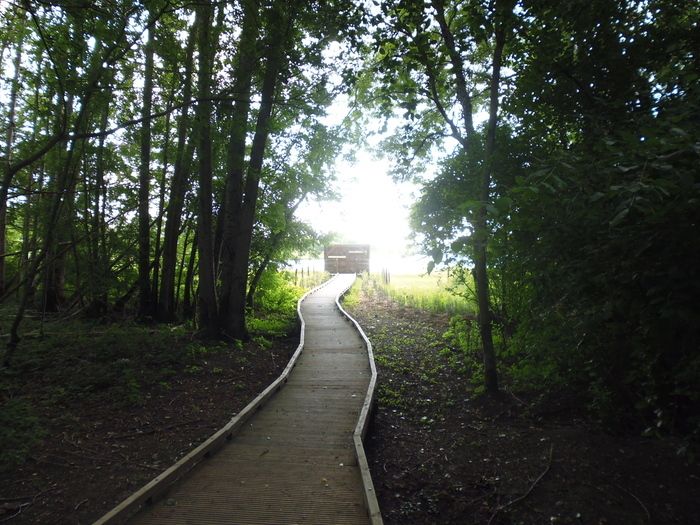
(161, 207)
(30, 210)
(182, 263)
(57, 221)
(100, 262)
(188, 294)
(144, 258)
(481, 229)
(235, 274)
(178, 188)
(207, 311)
(481, 232)
(7, 178)
(229, 216)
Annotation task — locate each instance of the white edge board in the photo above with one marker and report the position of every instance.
(370, 495)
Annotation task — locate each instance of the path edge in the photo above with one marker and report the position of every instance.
(162, 482)
(370, 495)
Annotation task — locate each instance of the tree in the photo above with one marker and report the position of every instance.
(207, 311)
(9, 144)
(277, 235)
(178, 186)
(110, 89)
(285, 58)
(145, 307)
(601, 204)
(67, 88)
(433, 70)
(591, 191)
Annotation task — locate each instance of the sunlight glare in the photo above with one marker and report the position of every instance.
(373, 209)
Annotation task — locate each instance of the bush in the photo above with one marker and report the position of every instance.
(276, 304)
(608, 241)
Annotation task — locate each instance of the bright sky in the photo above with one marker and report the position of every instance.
(373, 210)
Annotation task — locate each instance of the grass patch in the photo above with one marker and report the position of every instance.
(438, 292)
(275, 313)
(352, 297)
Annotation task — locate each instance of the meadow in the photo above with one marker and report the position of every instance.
(438, 292)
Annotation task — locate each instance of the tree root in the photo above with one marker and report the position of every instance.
(646, 510)
(20, 508)
(512, 502)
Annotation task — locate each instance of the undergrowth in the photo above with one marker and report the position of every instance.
(20, 430)
(77, 361)
(275, 312)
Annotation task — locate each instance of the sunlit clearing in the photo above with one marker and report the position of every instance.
(374, 210)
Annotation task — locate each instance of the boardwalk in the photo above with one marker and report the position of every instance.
(294, 461)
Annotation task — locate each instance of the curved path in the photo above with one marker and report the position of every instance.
(295, 459)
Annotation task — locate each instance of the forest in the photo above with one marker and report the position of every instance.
(154, 155)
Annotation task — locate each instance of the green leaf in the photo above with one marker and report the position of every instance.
(679, 131)
(503, 204)
(619, 217)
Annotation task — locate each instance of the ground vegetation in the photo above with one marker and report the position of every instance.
(567, 190)
(442, 453)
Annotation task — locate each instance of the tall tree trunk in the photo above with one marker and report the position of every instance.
(7, 177)
(61, 217)
(235, 276)
(178, 188)
(188, 294)
(207, 314)
(181, 266)
(99, 263)
(161, 206)
(229, 216)
(481, 229)
(29, 214)
(144, 259)
(235, 322)
(57, 223)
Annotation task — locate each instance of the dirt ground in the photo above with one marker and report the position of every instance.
(97, 450)
(440, 455)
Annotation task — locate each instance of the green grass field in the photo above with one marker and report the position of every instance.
(428, 292)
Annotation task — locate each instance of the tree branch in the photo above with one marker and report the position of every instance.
(532, 487)
(458, 64)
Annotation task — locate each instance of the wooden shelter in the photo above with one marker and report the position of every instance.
(346, 258)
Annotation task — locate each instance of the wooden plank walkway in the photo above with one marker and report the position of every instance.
(295, 460)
